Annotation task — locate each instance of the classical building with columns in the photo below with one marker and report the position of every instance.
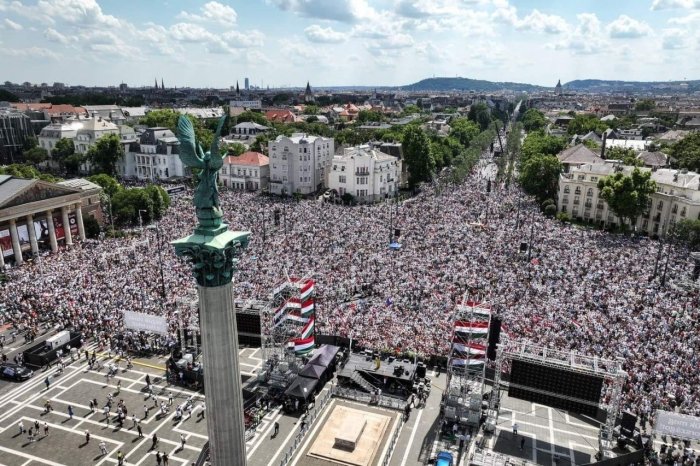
(37, 215)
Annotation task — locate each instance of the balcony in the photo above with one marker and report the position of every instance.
(361, 172)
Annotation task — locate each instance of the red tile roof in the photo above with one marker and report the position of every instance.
(51, 109)
(281, 116)
(248, 158)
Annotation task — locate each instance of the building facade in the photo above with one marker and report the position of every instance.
(300, 163)
(366, 173)
(36, 215)
(153, 156)
(677, 197)
(51, 134)
(249, 171)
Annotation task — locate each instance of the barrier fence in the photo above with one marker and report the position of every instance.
(310, 418)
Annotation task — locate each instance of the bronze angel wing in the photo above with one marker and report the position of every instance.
(188, 148)
(217, 159)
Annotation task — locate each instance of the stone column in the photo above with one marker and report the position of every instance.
(15, 243)
(222, 375)
(32, 234)
(2, 260)
(79, 218)
(66, 227)
(52, 231)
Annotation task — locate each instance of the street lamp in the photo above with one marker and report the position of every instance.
(141, 220)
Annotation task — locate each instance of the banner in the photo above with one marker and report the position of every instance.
(145, 322)
(6, 243)
(677, 425)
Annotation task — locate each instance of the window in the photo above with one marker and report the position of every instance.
(567, 189)
(342, 179)
(577, 201)
(578, 190)
(594, 178)
(582, 177)
(565, 200)
(563, 208)
(674, 210)
(590, 192)
(660, 205)
(683, 211)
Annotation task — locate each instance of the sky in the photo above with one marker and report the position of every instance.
(285, 43)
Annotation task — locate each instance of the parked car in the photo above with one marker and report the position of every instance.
(15, 372)
(444, 458)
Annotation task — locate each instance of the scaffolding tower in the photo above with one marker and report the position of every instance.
(466, 364)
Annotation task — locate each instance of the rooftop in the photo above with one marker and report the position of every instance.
(248, 158)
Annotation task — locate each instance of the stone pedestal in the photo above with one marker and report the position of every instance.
(222, 376)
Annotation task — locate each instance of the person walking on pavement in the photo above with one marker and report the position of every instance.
(138, 428)
(70, 412)
(165, 459)
(21, 427)
(515, 429)
(277, 429)
(182, 441)
(103, 447)
(158, 458)
(155, 441)
(522, 443)
(148, 382)
(46, 430)
(87, 436)
(36, 427)
(135, 421)
(120, 458)
(47, 382)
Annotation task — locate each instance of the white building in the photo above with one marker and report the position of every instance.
(51, 134)
(677, 197)
(366, 173)
(249, 128)
(90, 131)
(153, 157)
(300, 163)
(249, 171)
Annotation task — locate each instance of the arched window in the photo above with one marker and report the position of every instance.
(675, 209)
(567, 189)
(660, 206)
(683, 212)
(590, 192)
(578, 190)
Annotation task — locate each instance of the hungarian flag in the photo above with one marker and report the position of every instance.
(297, 318)
(308, 329)
(463, 362)
(293, 303)
(476, 308)
(303, 345)
(306, 289)
(475, 329)
(307, 307)
(474, 350)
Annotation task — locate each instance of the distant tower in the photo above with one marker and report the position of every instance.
(162, 86)
(308, 94)
(246, 84)
(156, 81)
(238, 91)
(557, 88)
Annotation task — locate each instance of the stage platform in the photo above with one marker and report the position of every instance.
(359, 364)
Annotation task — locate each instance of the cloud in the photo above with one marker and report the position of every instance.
(12, 25)
(188, 32)
(55, 36)
(248, 39)
(674, 39)
(671, 4)
(299, 53)
(586, 39)
(77, 12)
(344, 11)
(214, 12)
(30, 52)
(625, 27)
(431, 52)
(394, 42)
(535, 21)
(316, 33)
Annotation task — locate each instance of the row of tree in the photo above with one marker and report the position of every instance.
(129, 206)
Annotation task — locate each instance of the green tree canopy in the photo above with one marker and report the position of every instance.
(105, 153)
(538, 143)
(539, 176)
(249, 115)
(688, 232)
(480, 114)
(26, 171)
(167, 118)
(63, 149)
(627, 155)
(410, 109)
(311, 110)
(627, 195)
(110, 186)
(72, 163)
(687, 152)
(365, 116)
(234, 148)
(36, 155)
(534, 120)
(645, 105)
(464, 130)
(416, 151)
(584, 123)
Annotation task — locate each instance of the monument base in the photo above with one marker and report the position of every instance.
(369, 438)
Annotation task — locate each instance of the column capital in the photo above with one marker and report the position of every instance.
(12, 221)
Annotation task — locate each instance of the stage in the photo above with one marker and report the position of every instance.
(391, 376)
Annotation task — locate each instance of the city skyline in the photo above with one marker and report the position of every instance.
(285, 43)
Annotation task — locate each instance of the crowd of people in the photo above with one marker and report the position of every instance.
(586, 290)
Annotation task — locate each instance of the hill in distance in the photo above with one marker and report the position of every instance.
(602, 85)
(467, 84)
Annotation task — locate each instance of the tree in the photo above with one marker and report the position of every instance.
(36, 155)
(234, 148)
(260, 143)
(480, 114)
(72, 163)
(627, 155)
(109, 185)
(167, 118)
(63, 149)
(645, 105)
(249, 115)
(463, 130)
(410, 110)
(416, 151)
(159, 198)
(127, 203)
(627, 195)
(687, 152)
(688, 233)
(20, 170)
(311, 110)
(105, 153)
(365, 116)
(534, 120)
(584, 123)
(538, 143)
(539, 176)
(92, 228)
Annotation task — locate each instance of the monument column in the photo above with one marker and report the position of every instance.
(16, 249)
(66, 227)
(213, 249)
(2, 260)
(32, 234)
(79, 219)
(52, 231)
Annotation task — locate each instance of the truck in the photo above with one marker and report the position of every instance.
(58, 340)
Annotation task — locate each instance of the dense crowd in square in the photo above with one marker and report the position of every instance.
(587, 290)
